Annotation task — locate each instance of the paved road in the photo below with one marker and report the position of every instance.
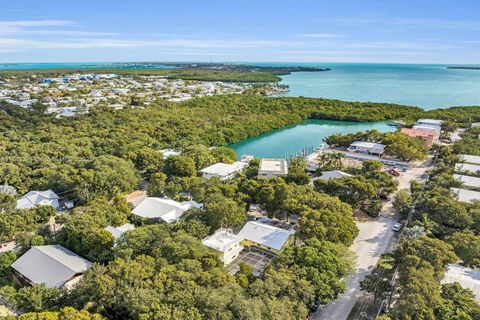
(375, 238)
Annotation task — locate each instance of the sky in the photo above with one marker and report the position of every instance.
(376, 31)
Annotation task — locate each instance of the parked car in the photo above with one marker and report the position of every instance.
(397, 227)
(394, 172)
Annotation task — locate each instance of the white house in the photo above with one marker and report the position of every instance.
(335, 174)
(161, 209)
(265, 236)
(223, 171)
(470, 159)
(170, 152)
(270, 168)
(367, 147)
(118, 231)
(472, 182)
(53, 265)
(465, 195)
(225, 243)
(430, 122)
(467, 167)
(34, 199)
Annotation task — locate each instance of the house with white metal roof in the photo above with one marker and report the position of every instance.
(34, 199)
(430, 122)
(118, 231)
(53, 265)
(467, 167)
(468, 181)
(465, 195)
(367, 147)
(470, 159)
(270, 168)
(334, 174)
(223, 171)
(225, 243)
(161, 209)
(265, 236)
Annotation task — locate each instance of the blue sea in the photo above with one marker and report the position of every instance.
(422, 85)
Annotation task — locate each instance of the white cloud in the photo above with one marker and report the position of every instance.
(320, 35)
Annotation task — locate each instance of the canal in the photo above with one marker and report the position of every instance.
(307, 135)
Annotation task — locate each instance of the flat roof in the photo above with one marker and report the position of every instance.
(467, 277)
(273, 165)
(467, 167)
(265, 234)
(433, 121)
(470, 158)
(465, 195)
(222, 240)
(468, 181)
(51, 265)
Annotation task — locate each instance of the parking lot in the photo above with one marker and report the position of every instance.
(255, 258)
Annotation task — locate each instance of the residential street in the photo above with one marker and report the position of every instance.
(375, 238)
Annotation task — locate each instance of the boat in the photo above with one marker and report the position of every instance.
(396, 123)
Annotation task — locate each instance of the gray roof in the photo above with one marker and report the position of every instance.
(118, 231)
(51, 265)
(265, 234)
(467, 167)
(470, 158)
(468, 181)
(465, 195)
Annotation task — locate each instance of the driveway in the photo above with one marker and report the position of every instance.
(376, 237)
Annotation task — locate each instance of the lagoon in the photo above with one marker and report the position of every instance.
(307, 135)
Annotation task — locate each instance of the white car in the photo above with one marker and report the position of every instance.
(397, 227)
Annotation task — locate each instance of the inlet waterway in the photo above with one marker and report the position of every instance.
(305, 136)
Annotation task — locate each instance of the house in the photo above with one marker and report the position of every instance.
(335, 174)
(225, 243)
(34, 199)
(429, 137)
(467, 167)
(472, 182)
(467, 277)
(223, 171)
(470, 159)
(161, 209)
(52, 265)
(476, 125)
(118, 231)
(170, 152)
(367, 147)
(430, 122)
(266, 236)
(436, 129)
(465, 195)
(270, 168)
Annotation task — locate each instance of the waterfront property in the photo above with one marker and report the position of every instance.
(270, 168)
(225, 244)
(223, 171)
(161, 209)
(430, 122)
(53, 265)
(34, 199)
(367, 147)
(465, 195)
(429, 137)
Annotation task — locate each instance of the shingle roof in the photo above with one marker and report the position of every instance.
(51, 265)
